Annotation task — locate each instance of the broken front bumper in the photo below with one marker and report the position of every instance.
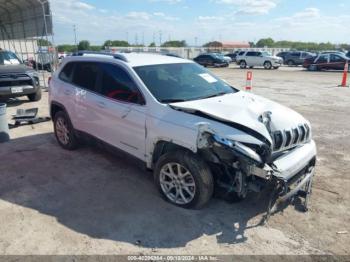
(292, 175)
(294, 161)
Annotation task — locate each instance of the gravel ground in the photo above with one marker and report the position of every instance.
(93, 202)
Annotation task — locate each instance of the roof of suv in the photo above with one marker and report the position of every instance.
(134, 59)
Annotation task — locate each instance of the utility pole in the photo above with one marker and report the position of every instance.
(75, 36)
(160, 38)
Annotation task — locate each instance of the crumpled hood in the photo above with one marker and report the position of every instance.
(245, 109)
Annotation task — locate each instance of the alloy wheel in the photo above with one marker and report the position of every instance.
(177, 183)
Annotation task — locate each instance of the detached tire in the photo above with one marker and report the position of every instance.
(36, 96)
(184, 179)
(64, 131)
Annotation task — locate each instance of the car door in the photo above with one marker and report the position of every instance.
(322, 62)
(336, 62)
(121, 110)
(259, 59)
(250, 58)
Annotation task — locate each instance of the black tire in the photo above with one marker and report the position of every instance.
(290, 63)
(202, 176)
(267, 65)
(72, 141)
(36, 96)
(242, 64)
(276, 67)
(251, 67)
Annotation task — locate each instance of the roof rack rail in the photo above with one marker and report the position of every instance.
(116, 56)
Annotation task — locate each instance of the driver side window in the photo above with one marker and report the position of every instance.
(118, 85)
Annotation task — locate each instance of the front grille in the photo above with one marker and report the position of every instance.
(16, 83)
(286, 139)
(12, 75)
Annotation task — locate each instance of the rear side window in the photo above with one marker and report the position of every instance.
(118, 85)
(85, 75)
(66, 72)
(241, 53)
(251, 54)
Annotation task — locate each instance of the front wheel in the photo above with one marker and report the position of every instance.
(184, 179)
(64, 131)
(267, 65)
(243, 64)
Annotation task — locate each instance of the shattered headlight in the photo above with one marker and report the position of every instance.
(239, 149)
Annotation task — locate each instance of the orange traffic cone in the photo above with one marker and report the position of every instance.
(345, 75)
(249, 83)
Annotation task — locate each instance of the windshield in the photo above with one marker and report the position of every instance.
(9, 58)
(181, 82)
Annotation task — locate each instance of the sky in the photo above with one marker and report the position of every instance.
(201, 21)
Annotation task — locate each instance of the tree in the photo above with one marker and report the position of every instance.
(265, 42)
(66, 48)
(44, 42)
(115, 43)
(213, 44)
(175, 43)
(84, 45)
(152, 44)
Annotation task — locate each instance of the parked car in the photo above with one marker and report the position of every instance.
(233, 55)
(257, 58)
(226, 58)
(44, 61)
(296, 58)
(16, 79)
(327, 61)
(283, 54)
(211, 60)
(195, 131)
(348, 54)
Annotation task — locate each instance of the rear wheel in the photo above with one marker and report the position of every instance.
(64, 131)
(267, 65)
(243, 64)
(290, 63)
(36, 96)
(184, 179)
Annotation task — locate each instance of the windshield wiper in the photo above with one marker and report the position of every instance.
(172, 100)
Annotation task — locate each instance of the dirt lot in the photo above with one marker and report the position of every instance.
(92, 202)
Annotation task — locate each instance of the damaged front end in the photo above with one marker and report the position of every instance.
(239, 168)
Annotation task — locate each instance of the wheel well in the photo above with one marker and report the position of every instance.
(55, 108)
(163, 147)
(267, 61)
(242, 60)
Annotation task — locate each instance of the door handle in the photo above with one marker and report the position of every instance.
(101, 104)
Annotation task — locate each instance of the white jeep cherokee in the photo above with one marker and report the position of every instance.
(195, 131)
(257, 58)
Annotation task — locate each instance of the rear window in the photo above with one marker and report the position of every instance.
(66, 72)
(251, 54)
(85, 75)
